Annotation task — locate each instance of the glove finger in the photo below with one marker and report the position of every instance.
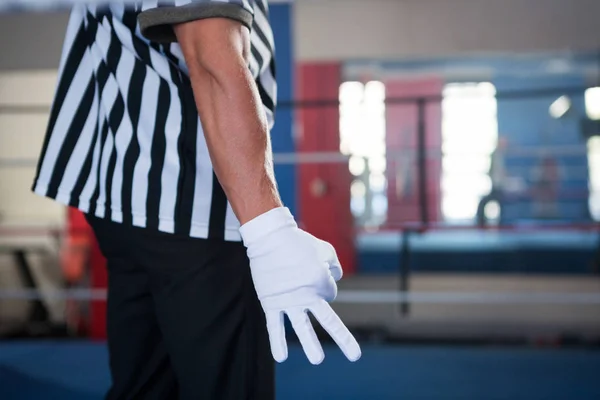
(330, 321)
(277, 335)
(307, 336)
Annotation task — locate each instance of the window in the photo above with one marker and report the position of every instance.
(362, 137)
(592, 109)
(594, 184)
(592, 103)
(560, 107)
(469, 136)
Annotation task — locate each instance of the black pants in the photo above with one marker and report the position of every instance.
(184, 321)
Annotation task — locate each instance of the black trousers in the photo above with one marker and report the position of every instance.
(184, 321)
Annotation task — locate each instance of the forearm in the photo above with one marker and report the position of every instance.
(232, 114)
(236, 133)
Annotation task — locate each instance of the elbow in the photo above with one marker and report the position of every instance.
(215, 48)
(225, 70)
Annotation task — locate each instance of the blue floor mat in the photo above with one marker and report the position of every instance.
(78, 371)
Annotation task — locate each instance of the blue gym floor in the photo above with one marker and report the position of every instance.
(78, 371)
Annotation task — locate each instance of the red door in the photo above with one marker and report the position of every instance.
(324, 188)
(401, 142)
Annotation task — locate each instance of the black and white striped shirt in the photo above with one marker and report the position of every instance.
(124, 140)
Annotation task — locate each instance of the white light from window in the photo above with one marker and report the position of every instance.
(560, 107)
(377, 164)
(356, 165)
(469, 136)
(351, 92)
(362, 137)
(375, 93)
(592, 103)
(594, 168)
(358, 189)
(377, 182)
(380, 205)
(492, 210)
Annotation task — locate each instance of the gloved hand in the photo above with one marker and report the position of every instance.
(295, 273)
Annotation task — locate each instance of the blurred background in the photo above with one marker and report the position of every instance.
(448, 149)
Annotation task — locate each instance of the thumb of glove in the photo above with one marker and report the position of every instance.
(327, 252)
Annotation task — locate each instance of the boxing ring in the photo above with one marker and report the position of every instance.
(499, 331)
(507, 310)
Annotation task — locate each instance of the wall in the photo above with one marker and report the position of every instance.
(28, 71)
(282, 134)
(21, 211)
(21, 136)
(20, 43)
(359, 29)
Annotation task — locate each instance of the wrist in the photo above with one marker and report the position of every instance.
(257, 197)
(257, 207)
(267, 223)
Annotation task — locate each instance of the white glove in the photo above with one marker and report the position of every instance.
(295, 273)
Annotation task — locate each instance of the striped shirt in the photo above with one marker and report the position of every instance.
(124, 140)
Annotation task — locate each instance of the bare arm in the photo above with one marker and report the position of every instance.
(216, 51)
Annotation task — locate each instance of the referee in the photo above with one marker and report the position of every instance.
(159, 134)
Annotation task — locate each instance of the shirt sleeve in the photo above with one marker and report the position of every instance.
(158, 16)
